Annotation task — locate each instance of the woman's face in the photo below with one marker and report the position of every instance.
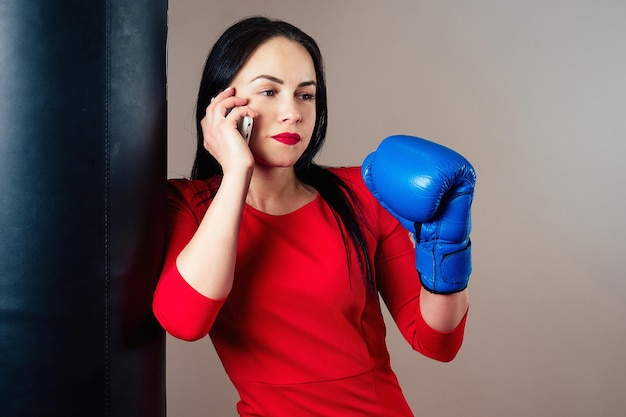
(278, 79)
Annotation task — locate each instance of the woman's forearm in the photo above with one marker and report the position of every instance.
(444, 312)
(207, 263)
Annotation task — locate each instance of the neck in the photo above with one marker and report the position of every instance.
(278, 191)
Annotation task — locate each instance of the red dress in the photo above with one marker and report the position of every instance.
(298, 335)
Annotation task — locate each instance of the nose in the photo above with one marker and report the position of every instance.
(290, 111)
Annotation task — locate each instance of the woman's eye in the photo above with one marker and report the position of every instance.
(307, 96)
(268, 93)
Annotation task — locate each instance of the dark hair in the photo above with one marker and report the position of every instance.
(225, 60)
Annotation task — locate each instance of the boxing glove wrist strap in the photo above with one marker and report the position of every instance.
(444, 268)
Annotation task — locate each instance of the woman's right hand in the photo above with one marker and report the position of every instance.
(219, 129)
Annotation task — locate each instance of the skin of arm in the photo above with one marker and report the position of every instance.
(444, 312)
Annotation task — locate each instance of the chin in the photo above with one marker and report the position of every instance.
(275, 161)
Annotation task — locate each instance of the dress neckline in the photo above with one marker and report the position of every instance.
(300, 209)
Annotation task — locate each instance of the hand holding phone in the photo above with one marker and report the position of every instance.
(244, 125)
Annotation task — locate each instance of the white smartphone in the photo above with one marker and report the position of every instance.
(245, 127)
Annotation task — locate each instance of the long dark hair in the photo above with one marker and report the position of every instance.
(224, 61)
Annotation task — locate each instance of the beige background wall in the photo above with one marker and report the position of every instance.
(534, 94)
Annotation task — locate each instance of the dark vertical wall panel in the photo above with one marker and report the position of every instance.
(82, 166)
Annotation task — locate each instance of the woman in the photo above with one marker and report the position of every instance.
(280, 260)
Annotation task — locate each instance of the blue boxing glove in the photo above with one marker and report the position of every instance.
(429, 188)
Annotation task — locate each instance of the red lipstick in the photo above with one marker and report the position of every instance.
(287, 138)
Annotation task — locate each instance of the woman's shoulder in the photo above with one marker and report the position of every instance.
(371, 208)
(351, 176)
(189, 190)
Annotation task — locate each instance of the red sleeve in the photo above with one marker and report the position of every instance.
(182, 311)
(398, 283)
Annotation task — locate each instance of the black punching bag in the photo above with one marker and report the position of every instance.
(82, 170)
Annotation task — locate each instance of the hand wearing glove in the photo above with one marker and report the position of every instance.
(429, 188)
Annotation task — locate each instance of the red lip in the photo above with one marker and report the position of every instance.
(287, 138)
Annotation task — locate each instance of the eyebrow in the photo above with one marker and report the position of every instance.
(279, 81)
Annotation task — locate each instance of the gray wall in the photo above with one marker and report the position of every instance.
(534, 94)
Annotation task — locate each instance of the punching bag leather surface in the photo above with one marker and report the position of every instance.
(82, 172)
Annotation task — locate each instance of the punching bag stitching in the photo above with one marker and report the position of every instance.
(107, 183)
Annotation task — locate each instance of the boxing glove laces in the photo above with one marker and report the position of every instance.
(429, 188)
